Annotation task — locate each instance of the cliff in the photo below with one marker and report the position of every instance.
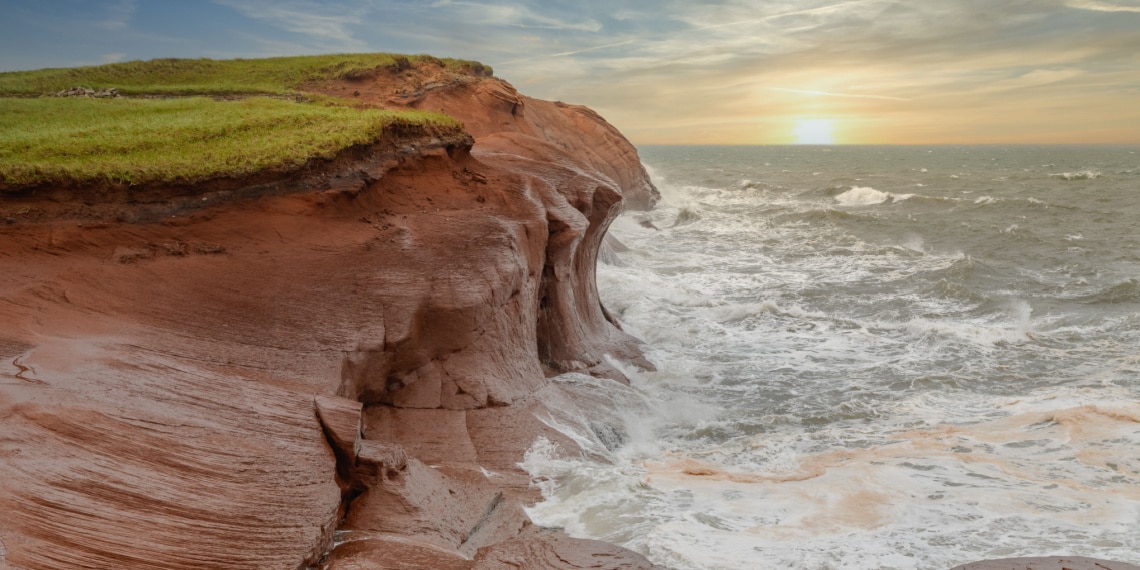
(337, 366)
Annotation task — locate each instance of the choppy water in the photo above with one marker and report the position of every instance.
(871, 357)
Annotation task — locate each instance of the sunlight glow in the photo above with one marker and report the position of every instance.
(814, 131)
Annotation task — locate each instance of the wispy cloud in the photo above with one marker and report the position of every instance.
(503, 14)
(1035, 79)
(326, 26)
(589, 49)
(1098, 6)
(830, 94)
(819, 10)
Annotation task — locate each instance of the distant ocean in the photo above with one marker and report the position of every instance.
(869, 357)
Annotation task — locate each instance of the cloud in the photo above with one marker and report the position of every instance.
(829, 94)
(1099, 6)
(828, 9)
(589, 49)
(113, 57)
(500, 14)
(326, 26)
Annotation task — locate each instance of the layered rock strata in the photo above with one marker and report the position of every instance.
(338, 368)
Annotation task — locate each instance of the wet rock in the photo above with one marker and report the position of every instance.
(1048, 563)
(543, 549)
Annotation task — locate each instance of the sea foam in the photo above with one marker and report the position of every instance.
(867, 196)
(1082, 175)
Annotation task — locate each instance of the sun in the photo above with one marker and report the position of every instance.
(814, 131)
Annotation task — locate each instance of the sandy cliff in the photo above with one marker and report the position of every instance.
(340, 366)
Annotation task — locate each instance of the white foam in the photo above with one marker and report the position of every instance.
(914, 242)
(1082, 175)
(1055, 464)
(815, 408)
(867, 196)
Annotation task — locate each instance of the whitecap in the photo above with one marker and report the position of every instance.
(867, 196)
(1082, 175)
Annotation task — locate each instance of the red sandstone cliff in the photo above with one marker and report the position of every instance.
(355, 355)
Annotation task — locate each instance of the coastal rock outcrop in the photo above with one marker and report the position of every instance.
(1048, 563)
(332, 366)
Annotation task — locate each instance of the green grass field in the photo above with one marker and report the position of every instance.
(134, 141)
(273, 75)
(45, 140)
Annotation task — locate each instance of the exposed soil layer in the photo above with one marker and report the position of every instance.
(340, 366)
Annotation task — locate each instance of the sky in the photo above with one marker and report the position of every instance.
(685, 72)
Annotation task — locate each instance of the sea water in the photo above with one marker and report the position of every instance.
(868, 357)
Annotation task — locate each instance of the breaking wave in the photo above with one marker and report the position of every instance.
(1082, 175)
(867, 196)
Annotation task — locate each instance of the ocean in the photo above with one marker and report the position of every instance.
(868, 357)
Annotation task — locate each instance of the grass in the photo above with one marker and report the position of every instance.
(47, 140)
(136, 141)
(273, 75)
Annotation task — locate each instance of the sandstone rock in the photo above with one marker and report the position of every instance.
(366, 551)
(379, 463)
(1048, 563)
(489, 106)
(340, 419)
(452, 508)
(542, 549)
(433, 436)
(160, 409)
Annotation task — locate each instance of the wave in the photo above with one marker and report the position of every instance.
(867, 196)
(1126, 292)
(1082, 175)
(685, 217)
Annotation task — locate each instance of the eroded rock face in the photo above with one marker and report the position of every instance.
(158, 374)
(488, 106)
(586, 140)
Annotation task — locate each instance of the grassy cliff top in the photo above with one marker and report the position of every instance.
(186, 137)
(273, 75)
